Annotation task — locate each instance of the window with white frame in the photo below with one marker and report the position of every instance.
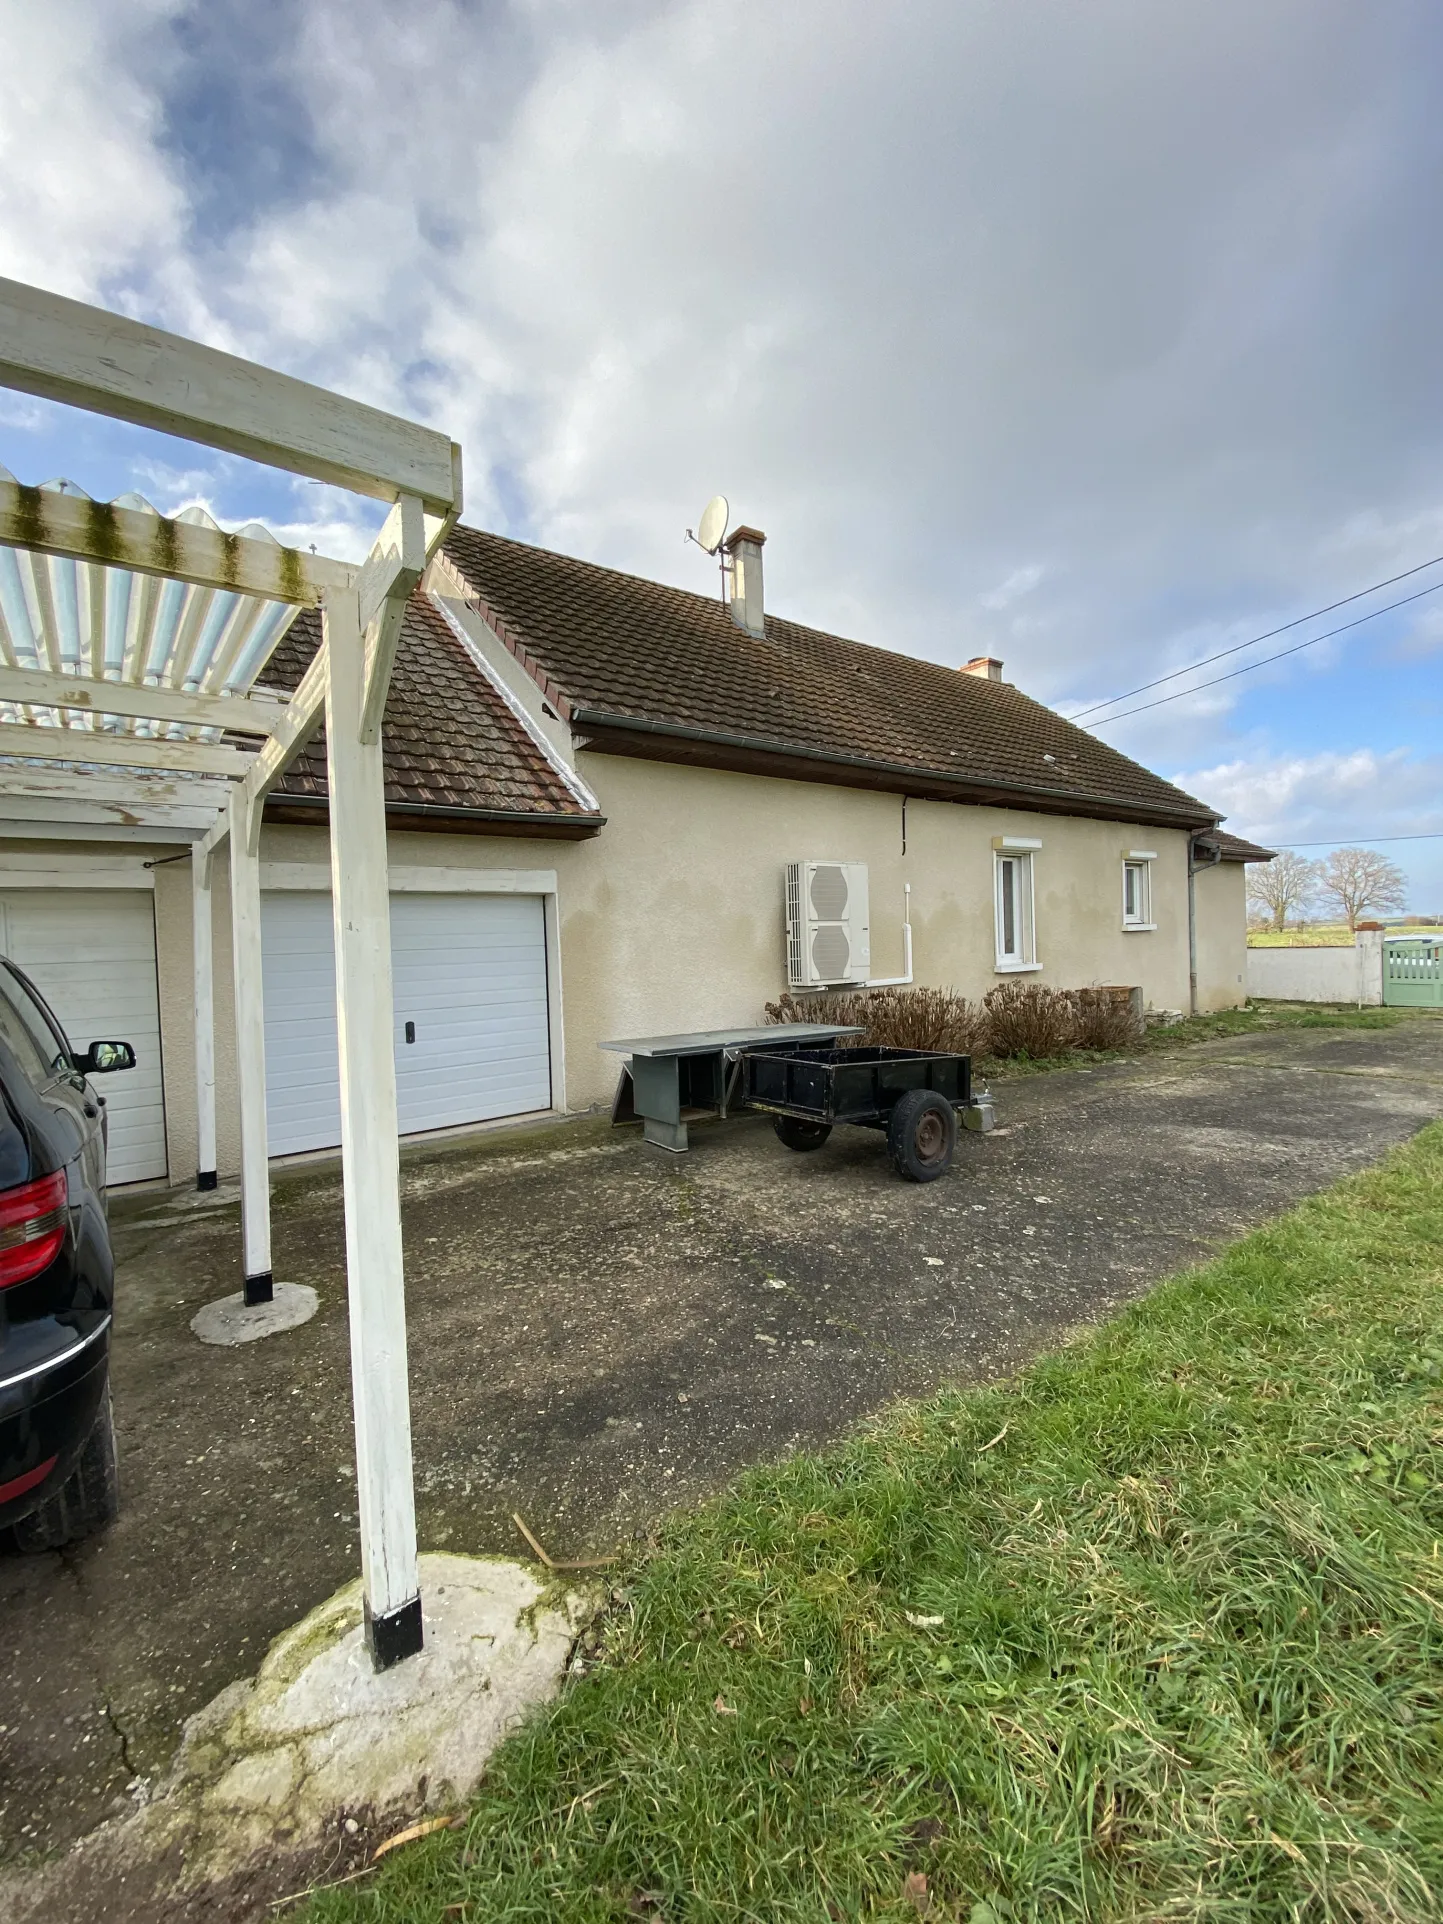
(1016, 939)
(1137, 889)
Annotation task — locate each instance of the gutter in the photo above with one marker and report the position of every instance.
(768, 745)
(443, 812)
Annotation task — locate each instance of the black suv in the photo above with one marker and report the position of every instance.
(57, 1449)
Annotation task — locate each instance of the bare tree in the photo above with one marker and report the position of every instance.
(1285, 886)
(1360, 878)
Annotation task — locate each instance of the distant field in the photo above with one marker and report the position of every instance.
(1334, 936)
(1331, 937)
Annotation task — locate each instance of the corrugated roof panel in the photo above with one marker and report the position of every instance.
(110, 624)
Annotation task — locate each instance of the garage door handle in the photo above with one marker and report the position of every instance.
(410, 1032)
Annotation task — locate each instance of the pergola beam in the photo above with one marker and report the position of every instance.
(39, 688)
(127, 798)
(89, 748)
(152, 544)
(395, 569)
(65, 351)
(385, 583)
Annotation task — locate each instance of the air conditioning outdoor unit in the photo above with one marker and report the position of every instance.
(828, 928)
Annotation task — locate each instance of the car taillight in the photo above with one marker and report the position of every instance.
(32, 1228)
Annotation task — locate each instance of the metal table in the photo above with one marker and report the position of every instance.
(671, 1080)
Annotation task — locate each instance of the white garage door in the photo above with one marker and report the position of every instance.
(469, 988)
(91, 954)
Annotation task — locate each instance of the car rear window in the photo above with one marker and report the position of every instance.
(29, 1036)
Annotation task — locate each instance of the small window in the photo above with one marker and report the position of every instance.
(1015, 945)
(1137, 895)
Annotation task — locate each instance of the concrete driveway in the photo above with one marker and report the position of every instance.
(600, 1331)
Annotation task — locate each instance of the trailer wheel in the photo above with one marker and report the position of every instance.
(800, 1135)
(922, 1135)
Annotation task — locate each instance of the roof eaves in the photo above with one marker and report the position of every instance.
(1130, 808)
(558, 822)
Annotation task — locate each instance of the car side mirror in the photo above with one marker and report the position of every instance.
(101, 1058)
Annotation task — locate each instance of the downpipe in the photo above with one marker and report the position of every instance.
(1193, 866)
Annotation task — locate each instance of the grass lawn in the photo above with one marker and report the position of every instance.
(1154, 1631)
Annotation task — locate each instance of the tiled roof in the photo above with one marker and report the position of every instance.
(450, 741)
(615, 652)
(1235, 849)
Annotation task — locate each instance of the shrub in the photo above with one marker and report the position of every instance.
(1014, 1019)
(1024, 1019)
(894, 1018)
(1104, 1019)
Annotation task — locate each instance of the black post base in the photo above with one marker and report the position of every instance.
(206, 1179)
(260, 1289)
(394, 1636)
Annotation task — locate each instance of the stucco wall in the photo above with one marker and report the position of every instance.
(676, 922)
(672, 918)
(1221, 896)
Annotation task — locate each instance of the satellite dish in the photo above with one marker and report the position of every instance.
(712, 527)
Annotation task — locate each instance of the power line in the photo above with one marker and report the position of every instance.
(1237, 648)
(1333, 841)
(1297, 648)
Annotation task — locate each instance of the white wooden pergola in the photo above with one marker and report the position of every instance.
(131, 643)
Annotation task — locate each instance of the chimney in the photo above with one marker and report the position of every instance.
(988, 666)
(745, 545)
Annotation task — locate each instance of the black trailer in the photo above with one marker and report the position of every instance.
(915, 1095)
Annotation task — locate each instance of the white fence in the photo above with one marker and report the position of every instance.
(1320, 975)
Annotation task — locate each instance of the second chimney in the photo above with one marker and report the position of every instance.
(988, 666)
(745, 545)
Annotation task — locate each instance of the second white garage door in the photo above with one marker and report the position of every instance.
(469, 988)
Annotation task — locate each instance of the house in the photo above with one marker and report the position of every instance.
(596, 785)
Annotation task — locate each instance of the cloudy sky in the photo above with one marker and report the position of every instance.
(1098, 337)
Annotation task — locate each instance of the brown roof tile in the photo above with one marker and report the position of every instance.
(614, 651)
(450, 741)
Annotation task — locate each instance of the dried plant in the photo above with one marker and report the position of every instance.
(1024, 1019)
(1104, 1019)
(1014, 1019)
(918, 1018)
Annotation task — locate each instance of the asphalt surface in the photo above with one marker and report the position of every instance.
(600, 1331)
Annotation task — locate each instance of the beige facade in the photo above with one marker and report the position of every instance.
(672, 918)
(1222, 936)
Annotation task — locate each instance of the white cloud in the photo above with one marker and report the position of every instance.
(1092, 337)
(87, 202)
(1019, 583)
(1351, 797)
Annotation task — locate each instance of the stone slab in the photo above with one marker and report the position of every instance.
(232, 1321)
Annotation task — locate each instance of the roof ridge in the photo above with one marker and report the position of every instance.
(579, 561)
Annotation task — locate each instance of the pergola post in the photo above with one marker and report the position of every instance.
(84, 357)
(202, 949)
(250, 1044)
(360, 899)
